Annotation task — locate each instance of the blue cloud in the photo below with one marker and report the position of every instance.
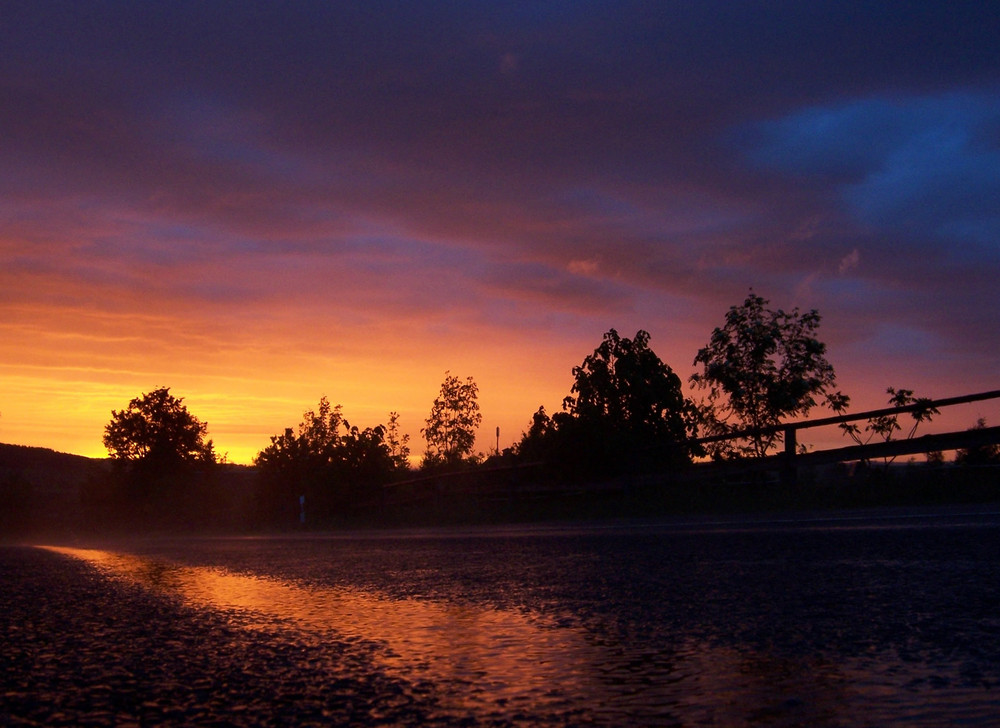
(923, 166)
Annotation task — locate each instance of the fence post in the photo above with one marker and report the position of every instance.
(789, 471)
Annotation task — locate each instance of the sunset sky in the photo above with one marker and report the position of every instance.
(261, 203)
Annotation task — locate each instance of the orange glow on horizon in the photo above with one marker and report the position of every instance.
(64, 369)
(63, 377)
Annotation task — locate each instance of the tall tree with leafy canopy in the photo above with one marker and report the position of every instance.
(626, 388)
(164, 465)
(316, 439)
(452, 424)
(327, 461)
(157, 428)
(625, 412)
(761, 367)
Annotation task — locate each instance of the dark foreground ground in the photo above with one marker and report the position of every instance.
(79, 649)
(830, 619)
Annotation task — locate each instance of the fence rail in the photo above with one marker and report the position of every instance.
(922, 404)
(789, 461)
(518, 478)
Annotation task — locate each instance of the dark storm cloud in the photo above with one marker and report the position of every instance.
(925, 164)
(481, 80)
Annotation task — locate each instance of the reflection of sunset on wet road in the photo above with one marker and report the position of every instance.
(844, 621)
(497, 655)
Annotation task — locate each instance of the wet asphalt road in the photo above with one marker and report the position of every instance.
(79, 649)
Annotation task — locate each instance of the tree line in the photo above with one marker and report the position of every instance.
(626, 413)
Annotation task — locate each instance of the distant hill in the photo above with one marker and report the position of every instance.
(44, 491)
(22, 455)
(49, 472)
(38, 485)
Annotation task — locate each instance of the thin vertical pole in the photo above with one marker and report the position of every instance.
(789, 472)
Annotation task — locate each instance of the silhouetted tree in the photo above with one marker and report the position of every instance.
(164, 467)
(158, 428)
(452, 424)
(626, 388)
(626, 412)
(366, 455)
(761, 367)
(399, 444)
(307, 449)
(885, 427)
(979, 455)
(328, 461)
(536, 443)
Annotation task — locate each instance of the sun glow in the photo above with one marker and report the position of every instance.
(62, 378)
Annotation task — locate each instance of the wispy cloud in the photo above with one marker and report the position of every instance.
(849, 262)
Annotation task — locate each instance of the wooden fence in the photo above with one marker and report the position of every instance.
(789, 461)
(521, 480)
